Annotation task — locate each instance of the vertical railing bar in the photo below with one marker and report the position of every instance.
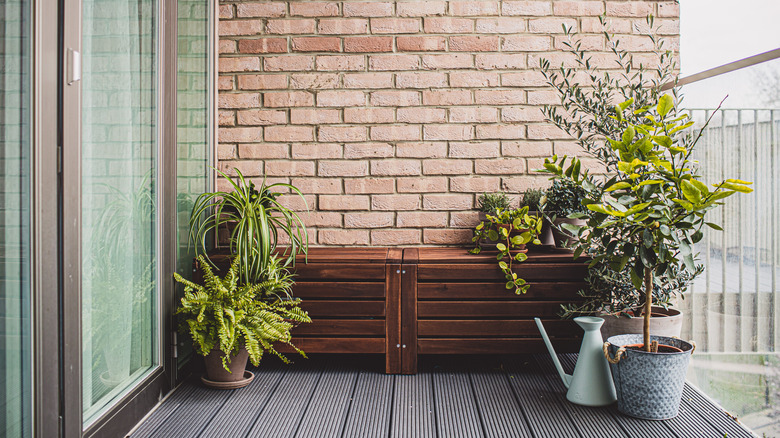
(773, 205)
(724, 328)
(757, 250)
(740, 240)
(707, 248)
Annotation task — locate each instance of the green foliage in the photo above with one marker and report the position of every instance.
(563, 199)
(492, 202)
(256, 218)
(532, 199)
(224, 314)
(512, 230)
(647, 216)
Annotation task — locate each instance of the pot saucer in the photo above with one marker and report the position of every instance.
(248, 377)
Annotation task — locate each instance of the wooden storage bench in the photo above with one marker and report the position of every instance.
(456, 303)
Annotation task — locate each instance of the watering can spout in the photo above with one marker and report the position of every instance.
(566, 378)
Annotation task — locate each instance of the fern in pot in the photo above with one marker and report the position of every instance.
(647, 216)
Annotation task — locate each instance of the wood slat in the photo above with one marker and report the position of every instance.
(409, 320)
(491, 272)
(341, 327)
(335, 345)
(501, 415)
(393, 317)
(484, 291)
(369, 415)
(338, 289)
(456, 411)
(462, 256)
(413, 412)
(327, 411)
(489, 309)
(165, 412)
(340, 271)
(194, 413)
(491, 345)
(344, 308)
(498, 328)
(707, 411)
(376, 255)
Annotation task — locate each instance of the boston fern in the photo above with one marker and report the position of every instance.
(225, 315)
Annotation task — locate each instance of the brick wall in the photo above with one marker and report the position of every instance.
(392, 116)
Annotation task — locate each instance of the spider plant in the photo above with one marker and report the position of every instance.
(256, 220)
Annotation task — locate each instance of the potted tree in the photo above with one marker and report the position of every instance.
(647, 217)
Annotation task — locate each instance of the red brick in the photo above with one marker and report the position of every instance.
(314, 9)
(421, 150)
(343, 237)
(263, 9)
(342, 133)
(430, 184)
(519, 184)
(546, 132)
(448, 61)
(368, 115)
(307, 116)
(225, 12)
(448, 202)
(343, 26)
(368, 9)
(474, 8)
(418, 219)
(316, 151)
(289, 133)
(262, 82)
(369, 220)
(475, 149)
(247, 168)
(395, 133)
(369, 185)
(371, 44)
(448, 132)
(669, 9)
(500, 62)
(239, 64)
(314, 81)
(473, 115)
(420, 8)
(227, 46)
(243, 27)
(614, 25)
(318, 186)
(368, 80)
(446, 97)
(261, 117)
(395, 25)
(578, 8)
(242, 100)
(527, 148)
(501, 25)
(288, 63)
(464, 219)
(500, 166)
(368, 150)
(341, 98)
(395, 237)
(395, 167)
(499, 97)
(341, 63)
(476, 43)
(225, 83)
(393, 62)
(240, 135)
(262, 151)
(474, 79)
(529, 78)
(289, 168)
(543, 97)
(471, 184)
(522, 114)
(226, 118)
(343, 168)
(448, 25)
(421, 80)
(395, 202)
(551, 25)
(525, 43)
(527, 8)
(282, 99)
(447, 237)
(420, 43)
(226, 152)
(395, 98)
(447, 167)
(629, 9)
(316, 44)
(421, 115)
(511, 132)
(292, 26)
(320, 219)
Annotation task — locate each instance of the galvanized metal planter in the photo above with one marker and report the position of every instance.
(648, 385)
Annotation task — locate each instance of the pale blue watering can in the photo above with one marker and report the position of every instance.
(591, 384)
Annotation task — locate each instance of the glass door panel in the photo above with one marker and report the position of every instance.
(120, 293)
(15, 323)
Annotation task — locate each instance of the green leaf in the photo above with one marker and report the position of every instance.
(517, 240)
(665, 104)
(501, 247)
(714, 226)
(736, 187)
(690, 192)
(663, 140)
(618, 186)
(647, 238)
(739, 181)
(628, 135)
(493, 235)
(700, 186)
(502, 265)
(626, 104)
(521, 257)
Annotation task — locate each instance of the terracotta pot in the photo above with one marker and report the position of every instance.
(665, 322)
(217, 373)
(563, 239)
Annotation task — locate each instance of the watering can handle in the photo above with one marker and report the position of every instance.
(618, 355)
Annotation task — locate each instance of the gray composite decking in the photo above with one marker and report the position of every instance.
(451, 397)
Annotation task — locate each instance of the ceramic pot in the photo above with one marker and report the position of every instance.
(664, 322)
(217, 373)
(561, 238)
(648, 385)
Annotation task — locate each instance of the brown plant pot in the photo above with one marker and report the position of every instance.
(217, 373)
(664, 322)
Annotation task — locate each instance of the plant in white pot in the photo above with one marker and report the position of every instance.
(647, 218)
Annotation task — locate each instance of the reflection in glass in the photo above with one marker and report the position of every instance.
(733, 308)
(15, 340)
(119, 155)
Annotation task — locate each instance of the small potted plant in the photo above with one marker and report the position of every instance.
(647, 218)
(491, 203)
(562, 206)
(231, 322)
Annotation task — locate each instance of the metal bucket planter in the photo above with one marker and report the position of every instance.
(648, 385)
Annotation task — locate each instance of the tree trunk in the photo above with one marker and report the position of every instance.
(648, 306)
